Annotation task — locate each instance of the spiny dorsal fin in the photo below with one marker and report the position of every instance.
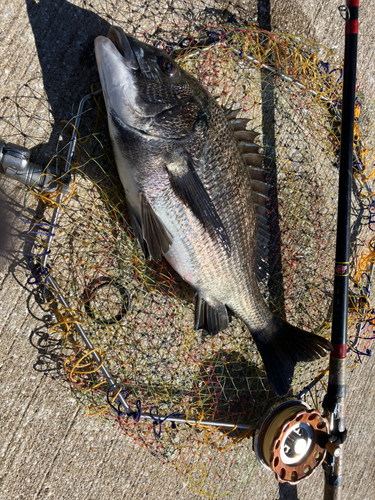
(254, 159)
(230, 113)
(248, 147)
(245, 135)
(262, 211)
(258, 174)
(260, 199)
(237, 124)
(260, 185)
(262, 222)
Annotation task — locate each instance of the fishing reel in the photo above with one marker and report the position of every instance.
(15, 164)
(292, 441)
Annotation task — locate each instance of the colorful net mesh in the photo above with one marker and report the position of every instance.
(139, 315)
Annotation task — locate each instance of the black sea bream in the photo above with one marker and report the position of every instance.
(186, 168)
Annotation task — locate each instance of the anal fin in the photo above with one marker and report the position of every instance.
(212, 318)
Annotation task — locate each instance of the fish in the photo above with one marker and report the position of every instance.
(196, 190)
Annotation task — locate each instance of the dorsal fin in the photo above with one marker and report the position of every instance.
(238, 123)
(259, 198)
(262, 211)
(258, 174)
(254, 159)
(262, 222)
(230, 113)
(263, 231)
(245, 135)
(241, 133)
(260, 272)
(261, 192)
(260, 185)
(248, 147)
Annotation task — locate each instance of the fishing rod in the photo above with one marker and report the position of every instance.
(335, 400)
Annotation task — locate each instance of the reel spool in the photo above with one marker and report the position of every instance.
(288, 441)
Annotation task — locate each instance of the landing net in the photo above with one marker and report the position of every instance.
(139, 315)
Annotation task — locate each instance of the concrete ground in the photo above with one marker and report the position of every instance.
(49, 448)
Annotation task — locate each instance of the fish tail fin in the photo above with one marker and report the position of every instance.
(281, 346)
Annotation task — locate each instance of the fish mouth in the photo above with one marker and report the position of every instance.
(122, 44)
(122, 71)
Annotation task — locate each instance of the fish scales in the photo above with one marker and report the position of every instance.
(220, 169)
(189, 194)
(227, 181)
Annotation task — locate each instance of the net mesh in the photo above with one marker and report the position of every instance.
(139, 314)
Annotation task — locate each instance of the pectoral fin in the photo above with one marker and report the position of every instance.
(189, 189)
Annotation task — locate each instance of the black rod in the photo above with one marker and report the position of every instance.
(334, 402)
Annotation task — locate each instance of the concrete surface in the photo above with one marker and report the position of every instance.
(49, 448)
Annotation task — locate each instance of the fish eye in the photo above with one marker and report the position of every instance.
(168, 67)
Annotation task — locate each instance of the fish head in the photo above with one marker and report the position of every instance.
(145, 87)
